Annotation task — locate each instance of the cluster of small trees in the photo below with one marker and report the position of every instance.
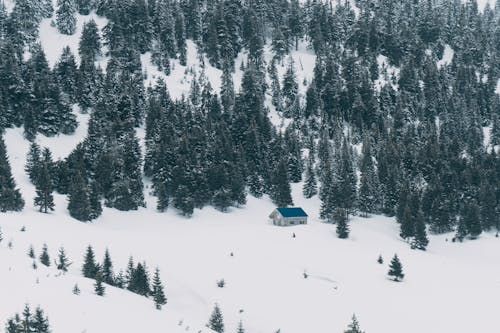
(216, 321)
(35, 322)
(135, 279)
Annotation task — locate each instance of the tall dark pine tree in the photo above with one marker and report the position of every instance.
(107, 269)
(216, 321)
(347, 180)
(281, 192)
(99, 288)
(90, 268)
(33, 162)
(90, 43)
(139, 282)
(157, 291)
(396, 269)
(85, 6)
(44, 188)
(63, 262)
(65, 16)
(44, 256)
(310, 188)
(368, 202)
(10, 197)
(79, 203)
(66, 72)
(341, 217)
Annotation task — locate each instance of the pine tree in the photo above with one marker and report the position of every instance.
(157, 291)
(10, 197)
(341, 217)
(107, 269)
(90, 268)
(44, 256)
(66, 72)
(129, 274)
(281, 192)
(353, 326)
(31, 252)
(44, 187)
(396, 269)
(65, 16)
(99, 288)
(216, 321)
(85, 6)
(40, 323)
(33, 162)
(63, 262)
(139, 282)
(79, 201)
(420, 240)
(310, 187)
(76, 289)
(473, 221)
(369, 187)
(89, 47)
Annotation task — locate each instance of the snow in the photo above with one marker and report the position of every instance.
(264, 278)
(498, 87)
(482, 4)
(386, 73)
(447, 56)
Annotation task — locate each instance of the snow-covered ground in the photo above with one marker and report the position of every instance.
(450, 288)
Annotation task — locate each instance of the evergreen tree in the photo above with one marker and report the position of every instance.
(396, 269)
(85, 6)
(31, 252)
(40, 322)
(216, 321)
(76, 290)
(342, 226)
(44, 188)
(65, 16)
(90, 268)
(369, 187)
(44, 256)
(157, 291)
(90, 43)
(353, 326)
(63, 262)
(99, 288)
(66, 72)
(33, 162)
(79, 201)
(107, 269)
(310, 186)
(10, 197)
(281, 193)
(139, 282)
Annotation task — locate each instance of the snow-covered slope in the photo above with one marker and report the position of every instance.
(265, 286)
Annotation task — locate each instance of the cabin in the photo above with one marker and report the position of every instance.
(288, 216)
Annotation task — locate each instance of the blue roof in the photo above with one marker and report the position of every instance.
(292, 212)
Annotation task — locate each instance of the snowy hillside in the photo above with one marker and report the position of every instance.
(289, 280)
